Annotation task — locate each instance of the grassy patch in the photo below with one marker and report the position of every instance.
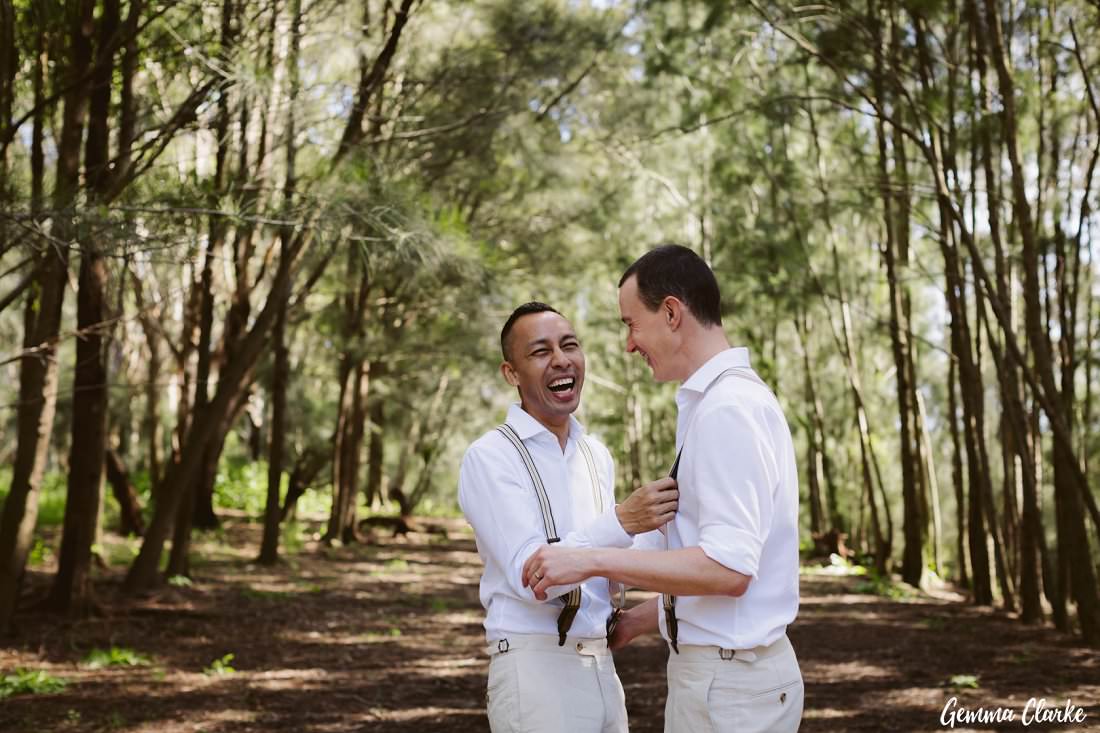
(51, 497)
(391, 633)
(116, 656)
(439, 605)
(220, 667)
(875, 584)
(29, 682)
(963, 681)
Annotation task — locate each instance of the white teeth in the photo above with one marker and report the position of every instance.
(561, 382)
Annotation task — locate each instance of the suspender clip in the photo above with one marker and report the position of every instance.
(502, 646)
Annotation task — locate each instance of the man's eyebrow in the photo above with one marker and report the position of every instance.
(537, 342)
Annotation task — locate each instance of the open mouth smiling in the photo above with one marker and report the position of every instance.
(562, 385)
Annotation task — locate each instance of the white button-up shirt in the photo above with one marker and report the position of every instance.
(499, 501)
(738, 484)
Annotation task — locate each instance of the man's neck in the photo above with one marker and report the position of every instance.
(560, 429)
(704, 346)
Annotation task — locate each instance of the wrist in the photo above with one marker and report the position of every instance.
(619, 512)
(593, 564)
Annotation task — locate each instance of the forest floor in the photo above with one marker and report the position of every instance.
(387, 637)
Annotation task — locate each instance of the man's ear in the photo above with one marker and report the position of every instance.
(672, 310)
(509, 373)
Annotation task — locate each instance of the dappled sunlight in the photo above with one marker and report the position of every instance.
(387, 639)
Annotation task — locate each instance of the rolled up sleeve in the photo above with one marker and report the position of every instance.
(735, 473)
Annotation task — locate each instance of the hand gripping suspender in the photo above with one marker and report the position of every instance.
(668, 601)
(572, 599)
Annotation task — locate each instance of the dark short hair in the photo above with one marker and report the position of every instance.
(672, 269)
(524, 310)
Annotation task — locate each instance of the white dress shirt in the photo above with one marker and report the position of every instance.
(738, 484)
(499, 501)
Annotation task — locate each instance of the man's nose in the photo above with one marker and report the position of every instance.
(631, 347)
(559, 358)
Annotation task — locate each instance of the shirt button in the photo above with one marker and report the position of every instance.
(580, 647)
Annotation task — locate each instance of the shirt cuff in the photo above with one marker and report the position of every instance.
(736, 549)
(606, 531)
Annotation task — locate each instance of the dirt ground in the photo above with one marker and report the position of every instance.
(388, 638)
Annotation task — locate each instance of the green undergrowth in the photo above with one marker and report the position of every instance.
(22, 681)
(116, 656)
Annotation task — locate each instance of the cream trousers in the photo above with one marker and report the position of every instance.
(536, 686)
(712, 690)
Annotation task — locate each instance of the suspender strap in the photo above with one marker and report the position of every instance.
(618, 600)
(668, 601)
(540, 491)
(572, 599)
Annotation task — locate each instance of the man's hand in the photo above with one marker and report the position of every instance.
(642, 619)
(549, 566)
(649, 507)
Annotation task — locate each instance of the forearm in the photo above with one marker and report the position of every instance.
(684, 572)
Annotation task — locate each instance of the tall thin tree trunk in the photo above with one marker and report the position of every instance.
(269, 548)
(957, 472)
(72, 588)
(38, 370)
(376, 452)
(814, 457)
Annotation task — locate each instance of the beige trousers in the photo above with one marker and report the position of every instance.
(536, 686)
(712, 690)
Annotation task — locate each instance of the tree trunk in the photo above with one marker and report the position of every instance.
(914, 520)
(376, 452)
(38, 369)
(72, 588)
(815, 453)
(957, 473)
(269, 547)
(129, 508)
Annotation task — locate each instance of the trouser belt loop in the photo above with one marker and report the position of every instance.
(503, 646)
(727, 654)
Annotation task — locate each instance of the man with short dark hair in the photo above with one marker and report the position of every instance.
(729, 571)
(540, 479)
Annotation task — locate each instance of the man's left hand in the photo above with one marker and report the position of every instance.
(549, 566)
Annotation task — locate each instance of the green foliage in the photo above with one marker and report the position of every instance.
(220, 667)
(180, 581)
(40, 552)
(963, 681)
(242, 485)
(51, 497)
(114, 657)
(876, 584)
(24, 681)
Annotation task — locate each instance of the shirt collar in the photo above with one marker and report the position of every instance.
(528, 427)
(733, 357)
